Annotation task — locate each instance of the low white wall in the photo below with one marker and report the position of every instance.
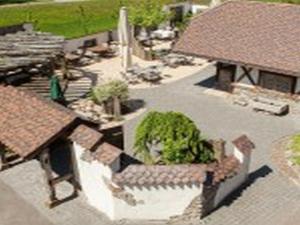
(297, 89)
(199, 8)
(157, 202)
(91, 177)
(74, 44)
(231, 184)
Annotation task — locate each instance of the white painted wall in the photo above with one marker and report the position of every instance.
(254, 74)
(153, 202)
(157, 202)
(231, 184)
(74, 44)
(297, 89)
(91, 176)
(199, 8)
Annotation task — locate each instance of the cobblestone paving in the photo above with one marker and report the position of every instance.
(267, 199)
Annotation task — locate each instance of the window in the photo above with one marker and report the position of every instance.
(277, 82)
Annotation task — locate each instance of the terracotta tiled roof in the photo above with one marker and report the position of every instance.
(244, 144)
(92, 140)
(144, 175)
(28, 122)
(86, 137)
(262, 35)
(107, 153)
(227, 168)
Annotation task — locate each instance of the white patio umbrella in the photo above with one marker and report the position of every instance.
(214, 3)
(125, 39)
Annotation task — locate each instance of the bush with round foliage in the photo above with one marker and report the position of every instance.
(105, 92)
(170, 138)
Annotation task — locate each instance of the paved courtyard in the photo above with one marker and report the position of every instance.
(268, 197)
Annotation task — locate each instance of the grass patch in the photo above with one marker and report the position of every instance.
(64, 18)
(295, 148)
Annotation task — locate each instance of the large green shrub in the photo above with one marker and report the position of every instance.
(111, 95)
(107, 91)
(147, 14)
(177, 136)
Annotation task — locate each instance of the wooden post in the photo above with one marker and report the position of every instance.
(117, 108)
(3, 161)
(46, 166)
(74, 170)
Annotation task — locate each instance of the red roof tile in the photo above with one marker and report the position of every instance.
(225, 169)
(107, 153)
(143, 175)
(28, 122)
(244, 144)
(86, 137)
(262, 35)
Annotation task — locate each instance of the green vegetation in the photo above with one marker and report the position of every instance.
(105, 92)
(149, 14)
(111, 95)
(295, 148)
(67, 18)
(170, 138)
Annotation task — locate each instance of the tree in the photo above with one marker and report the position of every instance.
(170, 138)
(148, 14)
(111, 95)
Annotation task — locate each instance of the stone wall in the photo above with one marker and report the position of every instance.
(100, 38)
(250, 92)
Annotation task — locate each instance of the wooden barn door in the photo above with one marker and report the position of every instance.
(225, 76)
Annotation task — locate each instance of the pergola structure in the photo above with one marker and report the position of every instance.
(29, 124)
(23, 51)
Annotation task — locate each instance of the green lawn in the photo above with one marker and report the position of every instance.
(295, 148)
(64, 18)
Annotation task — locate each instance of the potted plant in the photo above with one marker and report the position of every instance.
(111, 95)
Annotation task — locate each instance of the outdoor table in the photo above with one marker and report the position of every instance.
(100, 50)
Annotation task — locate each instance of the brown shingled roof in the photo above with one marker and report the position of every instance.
(226, 169)
(244, 144)
(107, 153)
(86, 137)
(262, 35)
(28, 122)
(143, 175)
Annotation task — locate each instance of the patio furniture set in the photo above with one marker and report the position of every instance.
(151, 74)
(87, 55)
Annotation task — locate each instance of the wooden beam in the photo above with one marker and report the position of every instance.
(247, 73)
(45, 164)
(3, 160)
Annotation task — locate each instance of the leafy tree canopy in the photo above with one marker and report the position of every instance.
(177, 137)
(107, 91)
(147, 14)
